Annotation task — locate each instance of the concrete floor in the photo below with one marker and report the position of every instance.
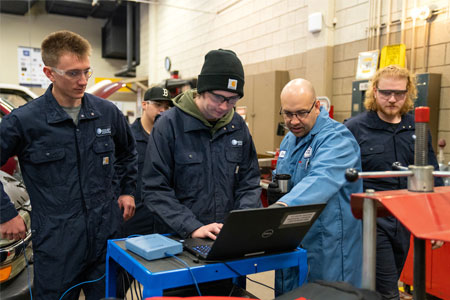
(258, 290)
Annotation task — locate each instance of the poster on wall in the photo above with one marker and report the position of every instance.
(393, 55)
(367, 64)
(30, 68)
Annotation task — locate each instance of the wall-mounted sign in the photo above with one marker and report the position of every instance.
(367, 64)
(393, 55)
(30, 67)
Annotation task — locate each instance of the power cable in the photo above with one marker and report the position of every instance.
(189, 269)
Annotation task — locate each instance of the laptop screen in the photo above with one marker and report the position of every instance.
(258, 231)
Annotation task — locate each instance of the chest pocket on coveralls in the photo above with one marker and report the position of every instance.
(189, 172)
(234, 155)
(48, 166)
(234, 158)
(367, 155)
(371, 150)
(103, 147)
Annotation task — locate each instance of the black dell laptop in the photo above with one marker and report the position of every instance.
(257, 231)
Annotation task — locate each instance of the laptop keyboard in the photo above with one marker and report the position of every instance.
(202, 249)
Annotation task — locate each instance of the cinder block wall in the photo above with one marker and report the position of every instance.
(344, 70)
(272, 35)
(258, 31)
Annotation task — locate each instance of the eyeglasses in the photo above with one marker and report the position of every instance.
(398, 94)
(219, 99)
(301, 114)
(74, 74)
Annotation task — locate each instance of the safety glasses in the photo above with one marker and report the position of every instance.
(398, 94)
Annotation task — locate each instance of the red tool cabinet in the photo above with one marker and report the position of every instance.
(437, 270)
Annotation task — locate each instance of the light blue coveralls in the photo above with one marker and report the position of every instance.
(317, 164)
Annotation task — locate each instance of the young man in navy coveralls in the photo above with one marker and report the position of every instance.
(201, 162)
(386, 134)
(70, 145)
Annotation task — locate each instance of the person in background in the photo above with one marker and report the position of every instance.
(70, 144)
(156, 100)
(201, 162)
(385, 134)
(316, 152)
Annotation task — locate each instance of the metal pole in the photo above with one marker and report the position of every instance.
(422, 117)
(419, 269)
(421, 143)
(130, 38)
(369, 242)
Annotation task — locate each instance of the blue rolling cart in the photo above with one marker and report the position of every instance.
(165, 273)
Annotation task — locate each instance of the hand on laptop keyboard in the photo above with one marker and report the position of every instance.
(208, 231)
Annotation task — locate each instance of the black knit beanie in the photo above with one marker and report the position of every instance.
(222, 71)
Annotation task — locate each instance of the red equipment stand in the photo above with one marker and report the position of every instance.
(427, 217)
(437, 281)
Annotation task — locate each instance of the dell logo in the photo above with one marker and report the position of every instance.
(267, 233)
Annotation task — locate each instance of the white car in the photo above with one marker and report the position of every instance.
(15, 94)
(15, 280)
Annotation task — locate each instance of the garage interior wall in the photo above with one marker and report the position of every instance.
(29, 31)
(268, 36)
(273, 35)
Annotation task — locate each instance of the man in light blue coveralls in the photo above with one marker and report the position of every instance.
(316, 152)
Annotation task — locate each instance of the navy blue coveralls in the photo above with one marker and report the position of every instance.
(192, 178)
(143, 220)
(381, 145)
(68, 171)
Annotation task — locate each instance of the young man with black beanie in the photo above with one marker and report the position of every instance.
(203, 162)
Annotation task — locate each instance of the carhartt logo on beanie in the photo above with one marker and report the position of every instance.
(222, 71)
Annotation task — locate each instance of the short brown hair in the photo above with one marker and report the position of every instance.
(397, 72)
(60, 42)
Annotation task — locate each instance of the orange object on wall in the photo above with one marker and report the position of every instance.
(437, 274)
